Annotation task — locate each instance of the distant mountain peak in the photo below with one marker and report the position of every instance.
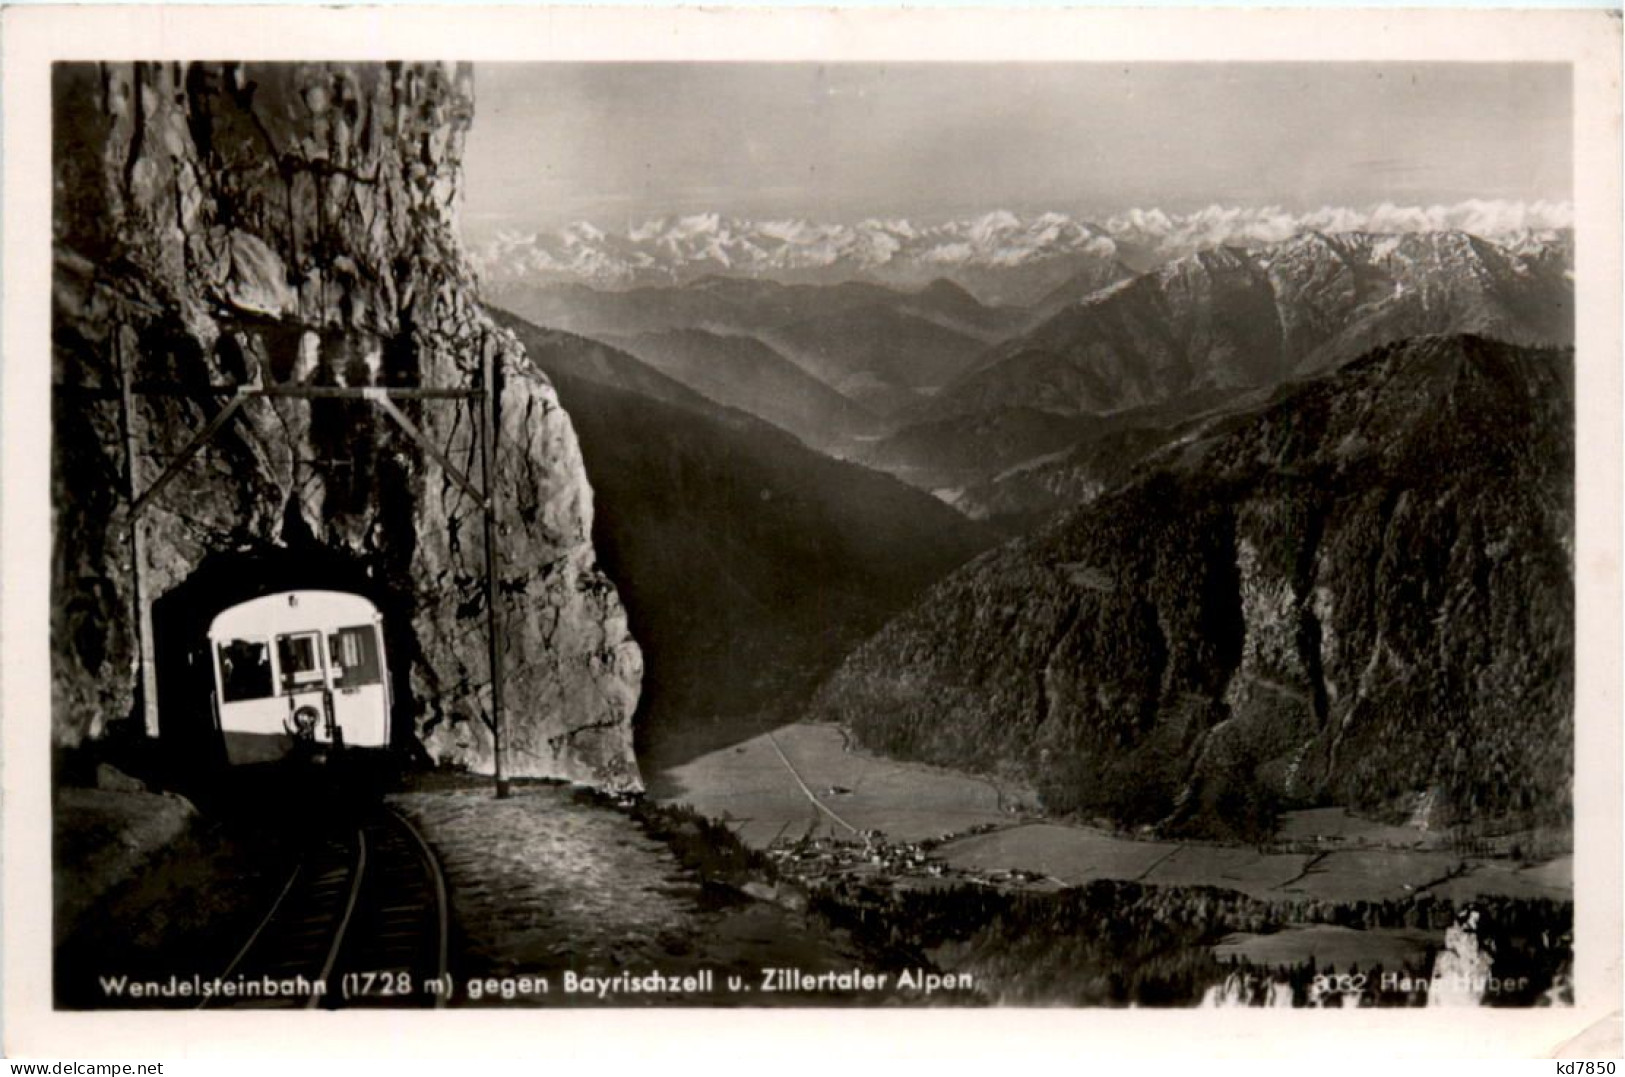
(970, 251)
(943, 285)
(1231, 317)
(943, 288)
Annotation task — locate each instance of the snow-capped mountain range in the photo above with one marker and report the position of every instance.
(676, 250)
(680, 249)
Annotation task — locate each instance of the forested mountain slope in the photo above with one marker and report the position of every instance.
(1360, 594)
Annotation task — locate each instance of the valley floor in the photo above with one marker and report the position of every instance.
(832, 861)
(807, 781)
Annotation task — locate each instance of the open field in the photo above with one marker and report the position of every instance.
(1071, 855)
(753, 785)
(801, 778)
(1076, 855)
(1552, 879)
(1331, 946)
(1336, 824)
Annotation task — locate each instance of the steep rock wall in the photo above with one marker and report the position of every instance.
(294, 223)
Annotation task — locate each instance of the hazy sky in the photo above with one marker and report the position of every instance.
(613, 143)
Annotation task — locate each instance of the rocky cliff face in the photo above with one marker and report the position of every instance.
(1359, 595)
(294, 223)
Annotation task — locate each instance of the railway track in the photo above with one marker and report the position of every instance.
(363, 915)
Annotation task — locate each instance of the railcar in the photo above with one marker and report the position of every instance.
(299, 670)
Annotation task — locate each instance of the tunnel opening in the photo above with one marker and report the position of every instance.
(191, 750)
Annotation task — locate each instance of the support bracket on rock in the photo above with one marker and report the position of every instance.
(381, 398)
(385, 397)
(193, 447)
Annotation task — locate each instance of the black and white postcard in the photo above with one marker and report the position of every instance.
(731, 511)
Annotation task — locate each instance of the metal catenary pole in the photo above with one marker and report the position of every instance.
(485, 495)
(125, 357)
(488, 458)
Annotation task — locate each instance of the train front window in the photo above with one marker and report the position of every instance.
(245, 670)
(353, 654)
(298, 658)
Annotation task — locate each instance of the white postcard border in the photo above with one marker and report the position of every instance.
(35, 36)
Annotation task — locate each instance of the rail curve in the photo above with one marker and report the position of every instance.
(364, 914)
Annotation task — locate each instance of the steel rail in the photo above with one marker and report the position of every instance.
(442, 904)
(265, 922)
(344, 921)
